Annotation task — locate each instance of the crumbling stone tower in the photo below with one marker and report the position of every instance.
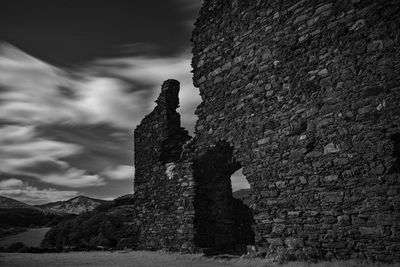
(304, 95)
(163, 202)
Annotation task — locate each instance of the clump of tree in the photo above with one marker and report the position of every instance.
(110, 225)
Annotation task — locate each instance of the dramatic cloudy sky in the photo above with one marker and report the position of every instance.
(76, 77)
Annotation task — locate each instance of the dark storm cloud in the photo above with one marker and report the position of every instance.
(191, 9)
(68, 32)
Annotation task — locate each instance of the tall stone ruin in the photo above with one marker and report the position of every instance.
(164, 202)
(304, 95)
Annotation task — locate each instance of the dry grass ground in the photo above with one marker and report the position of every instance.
(150, 259)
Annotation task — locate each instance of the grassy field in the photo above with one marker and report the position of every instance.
(30, 237)
(33, 237)
(150, 259)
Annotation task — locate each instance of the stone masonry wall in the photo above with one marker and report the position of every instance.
(163, 201)
(307, 93)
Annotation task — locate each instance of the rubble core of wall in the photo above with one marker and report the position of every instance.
(308, 95)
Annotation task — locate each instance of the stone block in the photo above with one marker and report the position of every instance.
(331, 148)
(263, 141)
(331, 178)
(333, 196)
(376, 231)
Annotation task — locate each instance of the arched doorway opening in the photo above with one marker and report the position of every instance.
(223, 224)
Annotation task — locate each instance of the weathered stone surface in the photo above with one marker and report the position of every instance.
(332, 74)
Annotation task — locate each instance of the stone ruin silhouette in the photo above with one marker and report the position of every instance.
(304, 95)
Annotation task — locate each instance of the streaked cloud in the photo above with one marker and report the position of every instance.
(73, 128)
(74, 178)
(116, 91)
(30, 89)
(34, 92)
(20, 147)
(68, 108)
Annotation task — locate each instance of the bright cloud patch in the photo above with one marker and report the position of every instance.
(20, 147)
(10, 183)
(122, 172)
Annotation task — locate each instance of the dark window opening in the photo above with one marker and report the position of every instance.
(223, 224)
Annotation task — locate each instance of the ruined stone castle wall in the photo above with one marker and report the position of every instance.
(164, 201)
(183, 197)
(307, 93)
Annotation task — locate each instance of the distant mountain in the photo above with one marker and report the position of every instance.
(76, 205)
(245, 195)
(9, 203)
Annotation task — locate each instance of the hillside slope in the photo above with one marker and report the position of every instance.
(14, 213)
(75, 205)
(9, 203)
